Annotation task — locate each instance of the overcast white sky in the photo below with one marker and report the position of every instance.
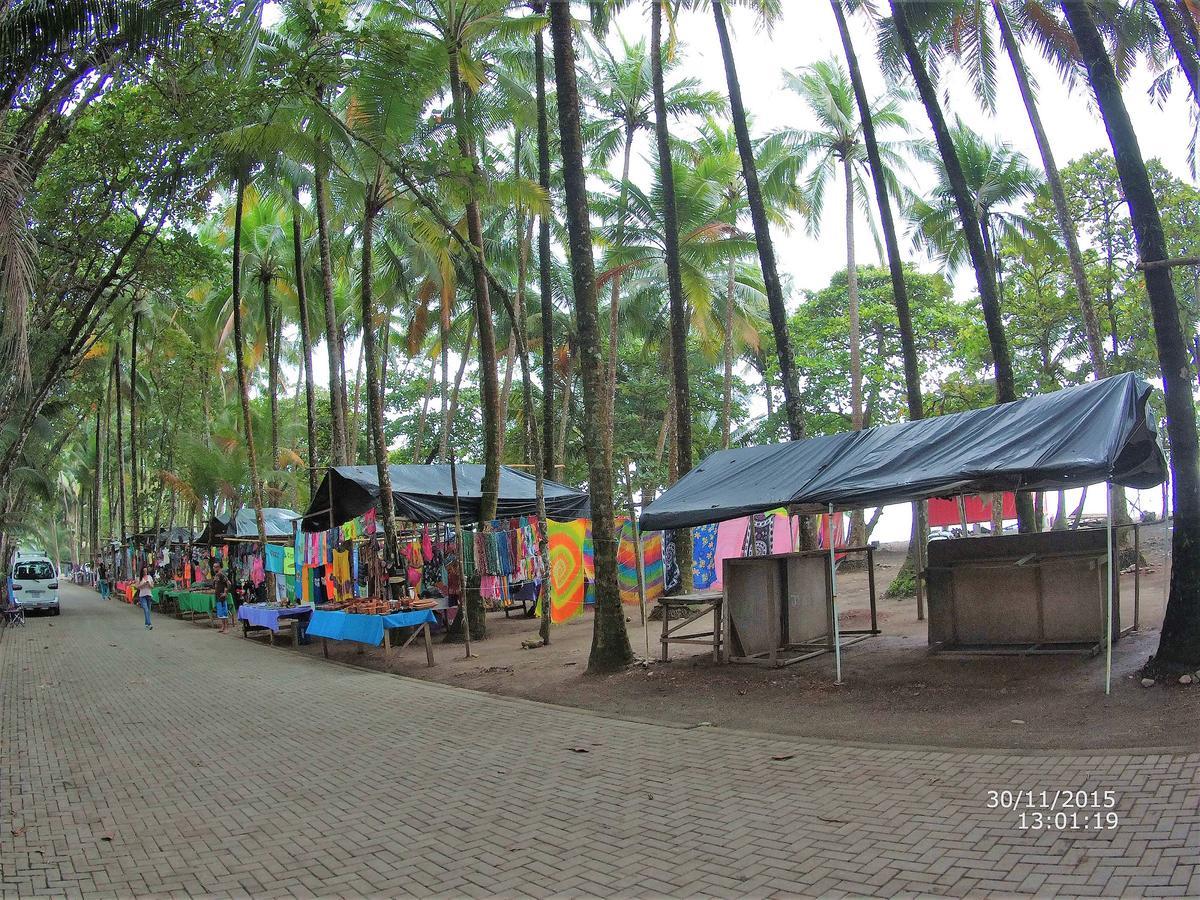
(808, 33)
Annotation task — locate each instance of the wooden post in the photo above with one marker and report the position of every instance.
(387, 641)
(833, 607)
(1108, 626)
(919, 575)
(962, 514)
(1137, 573)
(428, 644)
(871, 587)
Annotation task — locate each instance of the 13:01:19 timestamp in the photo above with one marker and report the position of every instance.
(1034, 820)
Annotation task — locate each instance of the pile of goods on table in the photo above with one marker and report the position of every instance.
(370, 606)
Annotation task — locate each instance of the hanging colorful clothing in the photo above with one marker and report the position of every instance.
(704, 556)
(567, 590)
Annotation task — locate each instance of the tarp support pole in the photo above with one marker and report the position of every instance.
(837, 635)
(1166, 538)
(919, 574)
(1108, 628)
(463, 603)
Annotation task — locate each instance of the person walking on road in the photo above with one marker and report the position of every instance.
(221, 594)
(144, 586)
(102, 581)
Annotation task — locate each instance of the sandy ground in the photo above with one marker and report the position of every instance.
(894, 690)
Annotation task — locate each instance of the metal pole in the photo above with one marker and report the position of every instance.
(1108, 628)
(837, 636)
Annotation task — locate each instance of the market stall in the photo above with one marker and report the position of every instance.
(1097, 432)
(276, 620)
(341, 540)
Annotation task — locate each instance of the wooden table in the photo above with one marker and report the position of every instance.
(708, 602)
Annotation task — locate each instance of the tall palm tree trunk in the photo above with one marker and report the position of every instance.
(306, 345)
(240, 360)
(333, 334)
(1062, 212)
(1181, 42)
(727, 355)
(908, 344)
(374, 395)
(610, 642)
(545, 284)
(985, 275)
(120, 432)
(272, 382)
(678, 314)
(97, 478)
(614, 303)
(489, 387)
(136, 508)
(1179, 645)
(766, 249)
(858, 525)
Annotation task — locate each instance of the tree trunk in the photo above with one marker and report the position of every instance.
(1179, 646)
(614, 305)
(1181, 44)
(985, 274)
(912, 376)
(545, 284)
(136, 509)
(766, 249)
(374, 395)
(272, 384)
(444, 336)
(120, 432)
(610, 642)
(727, 356)
(856, 379)
(240, 361)
(306, 345)
(1062, 212)
(97, 477)
(489, 388)
(524, 236)
(458, 377)
(416, 455)
(333, 333)
(678, 313)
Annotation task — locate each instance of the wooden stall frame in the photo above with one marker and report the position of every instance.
(834, 642)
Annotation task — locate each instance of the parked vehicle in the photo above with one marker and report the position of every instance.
(35, 583)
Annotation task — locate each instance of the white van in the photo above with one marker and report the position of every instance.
(35, 583)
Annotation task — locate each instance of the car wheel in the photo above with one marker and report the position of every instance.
(57, 610)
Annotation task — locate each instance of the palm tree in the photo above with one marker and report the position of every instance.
(681, 392)
(622, 91)
(545, 259)
(908, 344)
(610, 642)
(836, 144)
(996, 177)
(1179, 645)
(715, 156)
(305, 342)
(241, 176)
(768, 9)
(985, 275)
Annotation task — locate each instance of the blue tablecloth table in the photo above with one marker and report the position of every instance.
(265, 615)
(371, 630)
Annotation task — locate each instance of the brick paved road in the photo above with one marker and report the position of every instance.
(176, 761)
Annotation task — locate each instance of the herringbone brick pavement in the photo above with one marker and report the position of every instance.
(175, 762)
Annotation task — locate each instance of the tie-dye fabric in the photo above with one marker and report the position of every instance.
(567, 592)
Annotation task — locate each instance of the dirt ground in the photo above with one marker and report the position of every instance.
(894, 691)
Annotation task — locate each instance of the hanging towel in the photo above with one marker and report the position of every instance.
(704, 556)
(289, 560)
(566, 568)
(274, 561)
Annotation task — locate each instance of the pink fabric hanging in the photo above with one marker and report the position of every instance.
(426, 544)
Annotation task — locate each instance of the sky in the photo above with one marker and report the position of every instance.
(807, 33)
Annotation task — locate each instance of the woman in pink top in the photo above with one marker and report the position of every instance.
(145, 597)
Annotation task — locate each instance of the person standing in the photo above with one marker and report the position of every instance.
(102, 581)
(221, 592)
(145, 597)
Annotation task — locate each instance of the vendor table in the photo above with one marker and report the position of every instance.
(197, 602)
(372, 630)
(264, 615)
(698, 605)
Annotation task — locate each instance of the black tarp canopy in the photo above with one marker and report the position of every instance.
(244, 525)
(424, 494)
(1070, 438)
